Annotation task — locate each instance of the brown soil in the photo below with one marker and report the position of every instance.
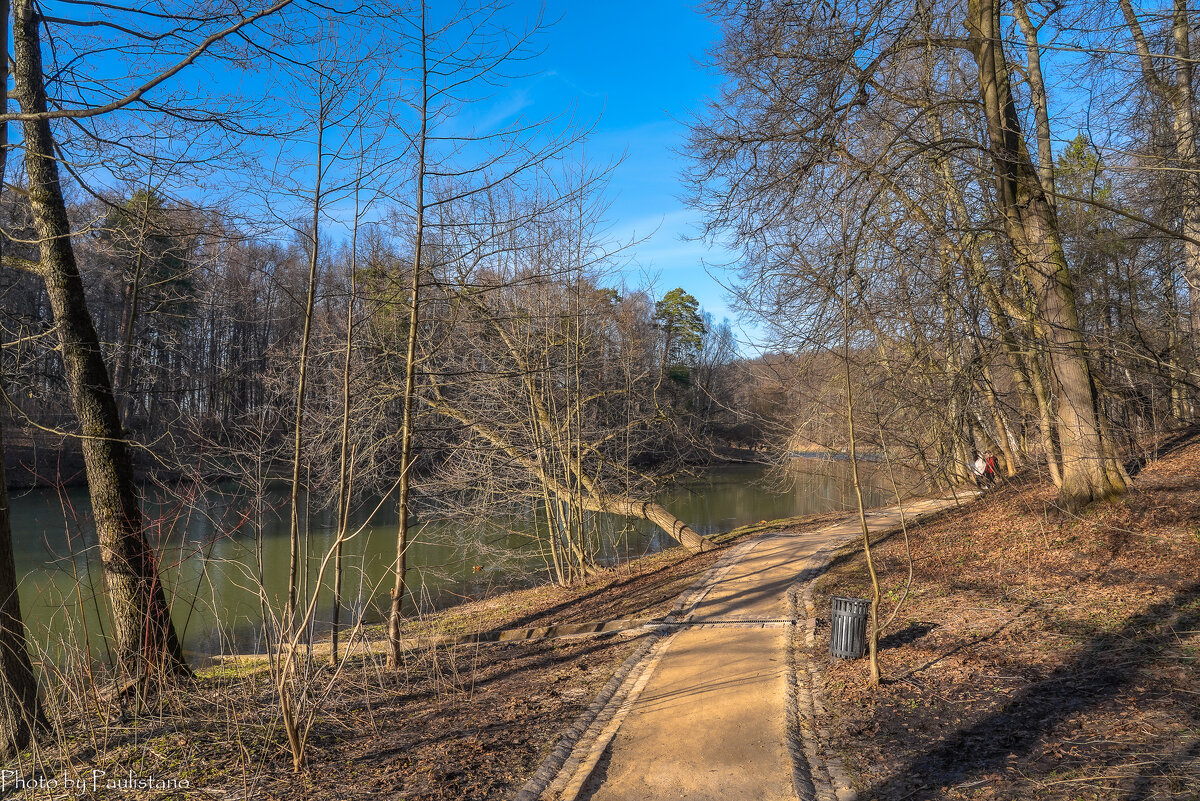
(1039, 655)
(455, 722)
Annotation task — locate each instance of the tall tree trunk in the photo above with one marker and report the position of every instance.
(1041, 106)
(1030, 386)
(873, 628)
(1031, 226)
(396, 611)
(122, 373)
(145, 636)
(297, 558)
(20, 707)
(345, 453)
(1045, 411)
(1183, 104)
(1003, 434)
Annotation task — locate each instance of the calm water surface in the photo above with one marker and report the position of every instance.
(214, 566)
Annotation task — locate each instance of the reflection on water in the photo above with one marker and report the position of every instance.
(222, 578)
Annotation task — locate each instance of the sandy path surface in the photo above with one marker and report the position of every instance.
(709, 719)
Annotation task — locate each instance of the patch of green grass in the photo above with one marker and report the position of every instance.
(233, 668)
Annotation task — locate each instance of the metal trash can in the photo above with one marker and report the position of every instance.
(848, 628)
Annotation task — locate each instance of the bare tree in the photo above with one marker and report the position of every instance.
(1176, 85)
(541, 373)
(458, 54)
(1090, 469)
(145, 636)
(872, 113)
(20, 708)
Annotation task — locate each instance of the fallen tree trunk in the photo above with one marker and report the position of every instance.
(592, 499)
(678, 530)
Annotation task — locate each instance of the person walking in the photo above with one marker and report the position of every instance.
(979, 469)
(990, 469)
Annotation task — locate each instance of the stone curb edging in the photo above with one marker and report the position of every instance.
(584, 743)
(798, 701)
(554, 762)
(816, 779)
(564, 773)
(590, 750)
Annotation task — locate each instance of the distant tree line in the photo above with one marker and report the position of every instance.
(199, 326)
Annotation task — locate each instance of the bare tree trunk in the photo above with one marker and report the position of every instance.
(1171, 374)
(1037, 93)
(395, 614)
(295, 557)
(651, 512)
(1025, 367)
(1181, 95)
(1004, 436)
(345, 455)
(145, 636)
(1031, 226)
(593, 499)
(20, 707)
(873, 629)
(122, 373)
(1045, 411)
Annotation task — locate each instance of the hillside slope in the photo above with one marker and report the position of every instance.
(1039, 655)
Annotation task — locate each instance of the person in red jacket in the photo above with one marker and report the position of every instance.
(990, 469)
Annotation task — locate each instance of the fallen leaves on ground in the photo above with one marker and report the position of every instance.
(1039, 655)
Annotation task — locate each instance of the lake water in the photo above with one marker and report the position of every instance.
(222, 578)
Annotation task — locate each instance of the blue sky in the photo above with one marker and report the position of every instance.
(634, 69)
(638, 67)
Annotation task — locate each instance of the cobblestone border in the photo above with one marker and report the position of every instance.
(816, 779)
(799, 705)
(578, 770)
(556, 761)
(565, 772)
(574, 757)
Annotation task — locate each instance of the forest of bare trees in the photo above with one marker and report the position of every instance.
(341, 285)
(341, 277)
(1000, 198)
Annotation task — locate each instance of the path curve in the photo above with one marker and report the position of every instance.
(712, 708)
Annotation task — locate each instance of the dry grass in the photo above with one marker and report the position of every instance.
(462, 721)
(1040, 655)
